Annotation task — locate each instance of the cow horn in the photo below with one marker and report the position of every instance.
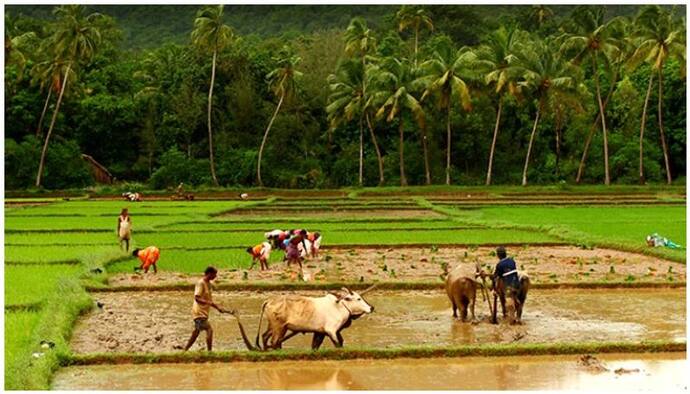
(370, 288)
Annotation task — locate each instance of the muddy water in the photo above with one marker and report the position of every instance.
(655, 371)
(553, 264)
(159, 321)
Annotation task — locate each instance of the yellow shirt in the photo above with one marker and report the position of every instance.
(203, 290)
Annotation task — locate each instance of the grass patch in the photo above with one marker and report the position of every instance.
(19, 332)
(605, 226)
(32, 254)
(354, 353)
(321, 226)
(33, 284)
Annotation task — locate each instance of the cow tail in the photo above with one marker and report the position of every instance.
(258, 330)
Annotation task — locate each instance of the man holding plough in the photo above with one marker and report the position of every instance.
(203, 302)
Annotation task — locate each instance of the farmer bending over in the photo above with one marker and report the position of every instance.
(203, 301)
(293, 254)
(260, 252)
(149, 257)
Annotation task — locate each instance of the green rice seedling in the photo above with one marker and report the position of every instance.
(32, 284)
(630, 278)
(31, 254)
(61, 238)
(434, 248)
(19, 341)
(612, 270)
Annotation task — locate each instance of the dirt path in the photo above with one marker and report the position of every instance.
(158, 321)
(553, 264)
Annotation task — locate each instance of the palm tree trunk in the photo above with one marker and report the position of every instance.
(529, 147)
(559, 124)
(416, 39)
(378, 151)
(581, 168)
(607, 177)
(41, 163)
(403, 180)
(642, 125)
(493, 142)
(210, 131)
(361, 151)
(448, 136)
(263, 142)
(43, 114)
(425, 150)
(661, 128)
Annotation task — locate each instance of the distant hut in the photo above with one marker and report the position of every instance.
(100, 173)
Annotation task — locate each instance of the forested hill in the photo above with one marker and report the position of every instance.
(150, 26)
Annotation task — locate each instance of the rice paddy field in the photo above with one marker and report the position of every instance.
(62, 258)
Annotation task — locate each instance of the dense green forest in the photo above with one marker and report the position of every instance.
(329, 96)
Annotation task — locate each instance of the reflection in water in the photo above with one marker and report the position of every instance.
(656, 372)
(278, 378)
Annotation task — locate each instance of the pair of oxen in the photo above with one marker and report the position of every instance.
(327, 316)
(462, 284)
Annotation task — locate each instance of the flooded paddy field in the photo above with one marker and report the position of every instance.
(161, 321)
(544, 264)
(658, 372)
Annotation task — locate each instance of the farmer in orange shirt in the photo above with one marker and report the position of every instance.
(260, 252)
(149, 257)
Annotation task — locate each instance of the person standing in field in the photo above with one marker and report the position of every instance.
(203, 302)
(124, 228)
(149, 257)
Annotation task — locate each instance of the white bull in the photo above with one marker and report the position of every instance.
(323, 316)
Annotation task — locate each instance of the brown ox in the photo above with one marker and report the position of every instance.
(511, 304)
(322, 316)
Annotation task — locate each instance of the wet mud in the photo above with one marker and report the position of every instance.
(552, 264)
(160, 321)
(658, 372)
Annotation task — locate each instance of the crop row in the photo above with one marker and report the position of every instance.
(33, 283)
(19, 332)
(35, 254)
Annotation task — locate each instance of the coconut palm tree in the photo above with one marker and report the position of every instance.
(75, 41)
(48, 76)
(659, 36)
(540, 14)
(282, 81)
(415, 18)
(360, 42)
(18, 45)
(212, 34)
(442, 76)
(590, 39)
(392, 82)
(620, 30)
(495, 59)
(546, 76)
